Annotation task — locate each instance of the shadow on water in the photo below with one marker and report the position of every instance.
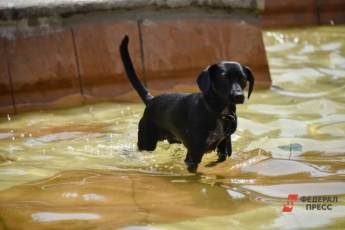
(80, 169)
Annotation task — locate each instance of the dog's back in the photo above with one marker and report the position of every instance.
(169, 111)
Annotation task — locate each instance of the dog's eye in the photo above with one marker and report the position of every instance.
(243, 84)
(242, 81)
(222, 77)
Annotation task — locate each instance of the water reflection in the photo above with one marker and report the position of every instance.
(115, 199)
(51, 216)
(80, 166)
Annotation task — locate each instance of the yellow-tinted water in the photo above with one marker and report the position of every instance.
(79, 168)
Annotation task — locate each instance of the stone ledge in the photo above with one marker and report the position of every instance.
(59, 61)
(292, 13)
(18, 9)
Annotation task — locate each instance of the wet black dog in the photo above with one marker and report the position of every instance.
(201, 121)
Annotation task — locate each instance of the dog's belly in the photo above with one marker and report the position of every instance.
(215, 136)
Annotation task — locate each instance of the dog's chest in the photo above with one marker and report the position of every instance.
(216, 135)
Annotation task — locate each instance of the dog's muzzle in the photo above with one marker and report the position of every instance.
(236, 94)
(239, 99)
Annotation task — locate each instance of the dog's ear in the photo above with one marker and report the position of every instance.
(250, 78)
(205, 78)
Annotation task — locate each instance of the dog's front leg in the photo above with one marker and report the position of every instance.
(224, 149)
(192, 160)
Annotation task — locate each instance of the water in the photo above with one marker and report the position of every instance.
(79, 168)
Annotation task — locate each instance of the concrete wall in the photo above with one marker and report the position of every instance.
(71, 57)
(290, 13)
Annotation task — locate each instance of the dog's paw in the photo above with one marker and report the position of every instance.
(191, 167)
(211, 164)
(221, 158)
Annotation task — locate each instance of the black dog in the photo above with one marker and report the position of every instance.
(201, 121)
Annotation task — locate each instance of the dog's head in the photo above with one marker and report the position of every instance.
(227, 80)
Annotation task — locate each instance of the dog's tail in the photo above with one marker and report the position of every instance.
(132, 76)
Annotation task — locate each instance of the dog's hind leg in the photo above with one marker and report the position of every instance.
(147, 135)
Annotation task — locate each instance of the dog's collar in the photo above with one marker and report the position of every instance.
(225, 115)
(228, 115)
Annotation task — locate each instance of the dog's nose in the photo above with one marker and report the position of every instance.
(237, 94)
(239, 99)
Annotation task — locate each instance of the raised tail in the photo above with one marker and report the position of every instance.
(132, 76)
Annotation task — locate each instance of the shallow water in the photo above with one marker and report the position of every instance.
(79, 168)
